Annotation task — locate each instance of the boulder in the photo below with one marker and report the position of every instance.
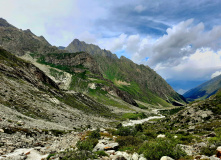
(105, 145)
(135, 156)
(161, 136)
(1, 130)
(188, 149)
(166, 158)
(218, 152)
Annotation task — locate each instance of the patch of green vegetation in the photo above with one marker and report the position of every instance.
(76, 155)
(171, 111)
(50, 155)
(134, 116)
(95, 134)
(214, 142)
(87, 144)
(55, 73)
(101, 96)
(161, 147)
(101, 153)
(79, 83)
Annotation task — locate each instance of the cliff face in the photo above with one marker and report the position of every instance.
(20, 42)
(77, 61)
(143, 82)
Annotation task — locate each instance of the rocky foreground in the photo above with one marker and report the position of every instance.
(42, 145)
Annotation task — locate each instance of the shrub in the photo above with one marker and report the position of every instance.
(156, 149)
(95, 134)
(76, 155)
(209, 151)
(101, 153)
(87, 144)
(139, 127)
(128, 140)
(150, 134)
(126, 131)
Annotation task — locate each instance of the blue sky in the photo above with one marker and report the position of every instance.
(179, 39)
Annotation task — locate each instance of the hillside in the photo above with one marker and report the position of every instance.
(204, 90)
(140, 81)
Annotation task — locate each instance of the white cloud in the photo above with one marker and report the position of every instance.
(59, 21)
(139, 8)
(113, 44)
(88, 37)
(186, 52)
(215, 74)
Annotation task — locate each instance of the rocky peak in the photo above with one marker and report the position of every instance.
(4, 23)
(20, 42)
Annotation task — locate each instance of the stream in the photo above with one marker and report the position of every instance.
(134, 122)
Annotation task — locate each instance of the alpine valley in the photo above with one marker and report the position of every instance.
(82, 102)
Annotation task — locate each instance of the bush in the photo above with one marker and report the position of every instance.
(139, 127)
(87, 144)
(126, 131)
(151, 134)
(154, 150)
(76, 155)
(128, 141)
(95, 134)
(209, 151)
(101, 153)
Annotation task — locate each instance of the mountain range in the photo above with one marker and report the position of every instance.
(137, 81)
(204, 90)
(54, 99)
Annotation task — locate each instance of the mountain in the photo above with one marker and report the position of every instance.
(204, 90)
(20, 41)
(140, 81)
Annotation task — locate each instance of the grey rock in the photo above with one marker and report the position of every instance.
(166, 158)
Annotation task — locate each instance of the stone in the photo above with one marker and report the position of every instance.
(117, 157)
(212, 134)
(214, 158)
(218, 150)
(110, 152)
(135, 156)
(188, 149)
(142, 158)
(161, 136)
(204, 157)
(1, 130)
(166, 158)
(105, 145)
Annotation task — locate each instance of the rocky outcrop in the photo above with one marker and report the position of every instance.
(80, 61)
(20, 42)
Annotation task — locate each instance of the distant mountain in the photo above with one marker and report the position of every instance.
(204, 90)
(140, 81)
(20, 41)
(61, 47)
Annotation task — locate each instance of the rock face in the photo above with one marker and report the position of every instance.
(77, 60)
(149, 83)
(204, 90)
(20, 42)
(24, 70)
